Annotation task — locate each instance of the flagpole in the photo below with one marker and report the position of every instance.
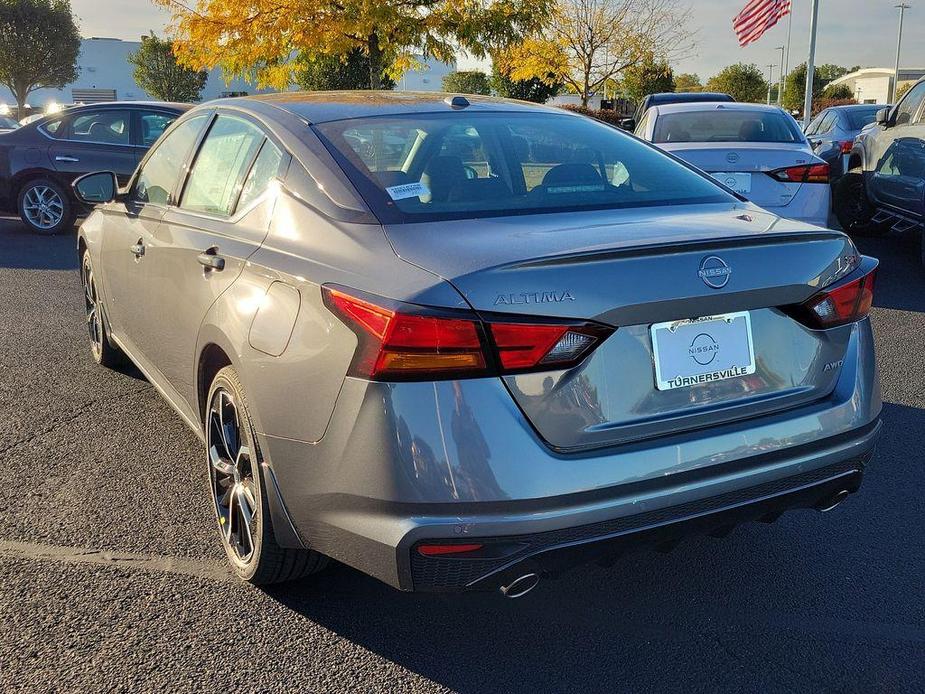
(810, 66)
(786, 70)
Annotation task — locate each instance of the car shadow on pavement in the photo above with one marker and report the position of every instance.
(17, 248)
(900, 259)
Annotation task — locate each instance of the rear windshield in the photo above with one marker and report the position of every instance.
(717, 125)
(859, 118)
(471, 165)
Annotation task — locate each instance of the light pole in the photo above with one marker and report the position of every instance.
(780, 87)
(810, 66)
(770, 76)
(902, 7)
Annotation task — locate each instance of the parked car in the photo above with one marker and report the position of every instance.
(39, 161)
(831, 133)
(7, 124)
(665, 98)
(756, 150)
(885, 185)
(460, 373)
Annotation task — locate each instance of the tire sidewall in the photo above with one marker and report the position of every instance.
(228, 380)
(68, 217)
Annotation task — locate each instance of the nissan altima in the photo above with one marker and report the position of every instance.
(463, 343)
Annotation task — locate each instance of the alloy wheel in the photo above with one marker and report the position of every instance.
(43, 207)
(92, 301)
(231, 475)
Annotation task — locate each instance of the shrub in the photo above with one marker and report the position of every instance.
(819, 105)
(607, 116)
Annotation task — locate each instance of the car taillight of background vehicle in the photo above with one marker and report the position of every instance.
(845, 302)
(809, 173)
(847, 146)
(399, 341)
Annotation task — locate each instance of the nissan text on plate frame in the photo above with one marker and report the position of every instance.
(464, 344)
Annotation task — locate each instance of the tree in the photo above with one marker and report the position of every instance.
(587, 43)
(901, 91)
(795, 88)
(838, 91)
(159, 74)
(255, 39)
(39, 45)
(534, 89)
(466, 82)
(320, 72)
(742, 82)
(648, 77)
(688, 82)
(829, 72)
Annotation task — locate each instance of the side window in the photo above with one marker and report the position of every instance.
(828, 123)
(909, 106)
(153, 125)
(642, 126)
(54, 128)
(218, 173)
(108, 127)
(814, 126)
(159, 174)
(264, 170)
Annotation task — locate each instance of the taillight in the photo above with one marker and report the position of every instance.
(847, 146)
(402, 342)
(809, 173)
(842, 303)
(443, 550)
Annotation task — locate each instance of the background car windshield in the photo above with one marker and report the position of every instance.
(452, 166)
(861, 117)
(8, 122)
(716, 125)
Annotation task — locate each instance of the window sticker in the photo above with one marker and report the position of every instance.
(408, 190)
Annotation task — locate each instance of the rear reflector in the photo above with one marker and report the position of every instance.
(842, 303)
(809, 173)
(442, 550)
(401, 342)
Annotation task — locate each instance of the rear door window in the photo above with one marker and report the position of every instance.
(262, 173)
(217, 175)
(108, 127)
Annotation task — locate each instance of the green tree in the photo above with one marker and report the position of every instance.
(837, 91)
(159, 74)
(39, 44)
(533, 89)
(742, 82)
(467, 82)
(828, 72)
(647, 77)
(688, 82)
(320, 72)
(795, 86)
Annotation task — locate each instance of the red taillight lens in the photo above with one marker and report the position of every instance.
(840, 304)
(847, 146)
(809, 173)
(397, 341)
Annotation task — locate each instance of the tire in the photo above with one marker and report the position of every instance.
(103, 351)
(236, 487)
(45, 207)
(854, 209)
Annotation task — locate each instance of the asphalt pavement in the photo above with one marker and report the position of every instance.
(111, 579)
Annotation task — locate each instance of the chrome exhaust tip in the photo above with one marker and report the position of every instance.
(831, 502)
(520, 586)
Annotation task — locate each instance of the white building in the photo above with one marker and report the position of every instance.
(104, 74)
(871, 85)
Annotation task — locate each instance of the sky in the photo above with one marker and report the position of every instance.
(851, 32)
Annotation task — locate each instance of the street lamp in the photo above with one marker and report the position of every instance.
(770, 75)
(902, 7)
(780, 88)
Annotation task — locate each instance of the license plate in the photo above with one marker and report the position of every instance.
(739, 182)
(702, 350)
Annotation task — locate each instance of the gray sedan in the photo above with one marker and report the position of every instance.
(831, 134)
(462, 343)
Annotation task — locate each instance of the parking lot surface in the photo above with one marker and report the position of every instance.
(110, 577)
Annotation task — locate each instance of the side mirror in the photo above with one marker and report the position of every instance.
(883, 116)
(97, 188)
(628, 124)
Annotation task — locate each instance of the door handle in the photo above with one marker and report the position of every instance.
(62, 157)
(138, 249)
(210, 260)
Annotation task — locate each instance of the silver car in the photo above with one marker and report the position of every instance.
(462, 343)
(756, 150)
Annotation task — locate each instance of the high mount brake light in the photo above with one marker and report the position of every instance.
(846, 302)
(404, 342)
(808, 173)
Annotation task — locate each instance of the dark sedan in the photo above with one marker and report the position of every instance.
(832, 133)
(39, 161)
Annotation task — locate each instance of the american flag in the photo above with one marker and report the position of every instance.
(757, 17)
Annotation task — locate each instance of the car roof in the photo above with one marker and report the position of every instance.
(174, 105)
(701, 106)
(683, 97)
(320, 107)
(857, 107)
